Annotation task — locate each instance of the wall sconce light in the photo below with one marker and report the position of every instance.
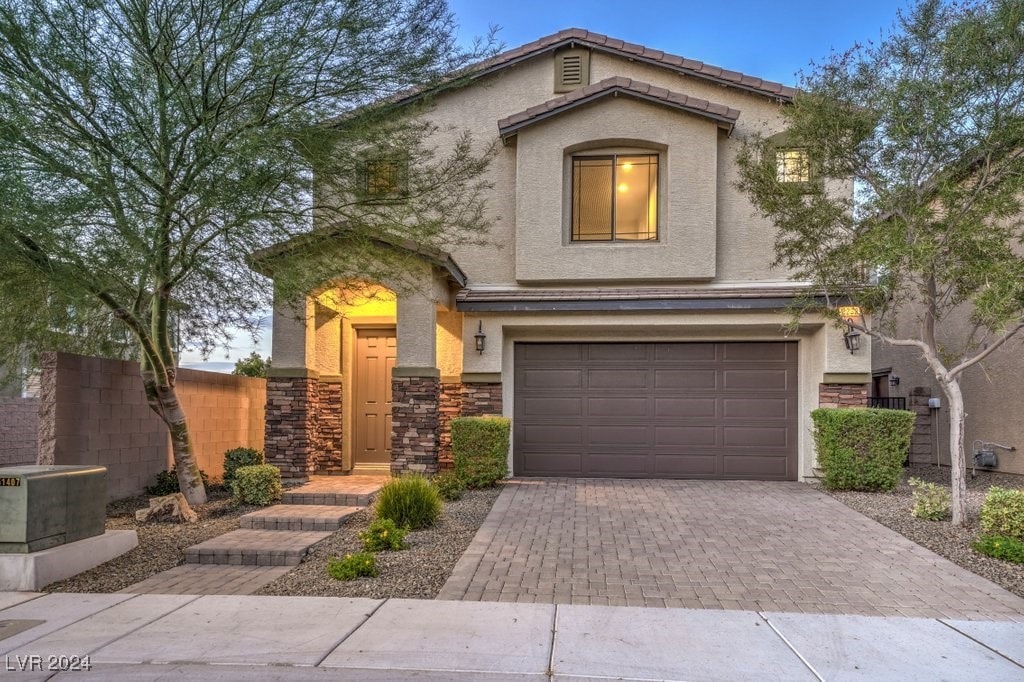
(481, 338)
(851, 337)
(894, 380)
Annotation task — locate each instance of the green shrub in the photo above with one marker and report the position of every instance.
(449, 485)
(352, 566)
(480, 450)
(1002, 512)
(862, 448)
(167, 483)
(410, 501)
(1000, 547)
(383, 535)
(239, 457)
(258, 484)
(931, 501)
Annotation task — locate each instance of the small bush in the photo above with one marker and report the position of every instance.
(931, 501)
(352, 566)
(383, 535)
(258, 484)
(239, 457)
(1001, 547)
(1002, 512)
(480, 450)
(449, 485)
(862, 448)
(410, 501)
(167, 483)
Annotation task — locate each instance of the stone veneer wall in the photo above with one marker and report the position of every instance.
(462, 400)
(292, 435)
(842, 395)
(414, 422)
(329, 424)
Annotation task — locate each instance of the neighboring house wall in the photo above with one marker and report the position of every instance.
(19, 431)
(94, 411)
(993, 399)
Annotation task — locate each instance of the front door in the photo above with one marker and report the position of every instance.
(374, 360)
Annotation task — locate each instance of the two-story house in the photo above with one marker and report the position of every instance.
(630, 323)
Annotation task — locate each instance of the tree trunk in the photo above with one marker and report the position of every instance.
(958, 465)
(164, 401)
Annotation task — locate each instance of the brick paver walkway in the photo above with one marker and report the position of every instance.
(208, 579)
(709, 544)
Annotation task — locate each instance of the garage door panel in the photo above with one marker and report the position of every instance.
(552, 433)
(616, 464)
(685, 352)
(756, 408)
(756, 379)
(618, 407)
(616, 379)
(678, 410)
(618, 434)
(679, 465)
(685, 407)
(685, 379)
(762, 467)
(676, 436)
(552, 407)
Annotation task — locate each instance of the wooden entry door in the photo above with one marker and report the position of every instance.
(374, 360)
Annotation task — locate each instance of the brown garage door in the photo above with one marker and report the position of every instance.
(656, 410)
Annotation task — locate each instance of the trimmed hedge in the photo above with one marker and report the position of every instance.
(862, 448)
(258, 484)
(239, 457)
(480, 450)
(1002, 513)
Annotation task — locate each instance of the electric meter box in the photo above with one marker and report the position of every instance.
(47, 506)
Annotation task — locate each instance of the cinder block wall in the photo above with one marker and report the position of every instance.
(19, 431)
(94, 411)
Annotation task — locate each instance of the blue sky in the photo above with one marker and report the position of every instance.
(772, 40)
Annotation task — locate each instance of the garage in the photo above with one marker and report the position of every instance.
(656, 410)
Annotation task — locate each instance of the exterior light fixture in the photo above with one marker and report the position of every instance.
(852, 340)
(894, 380)
(481, 338)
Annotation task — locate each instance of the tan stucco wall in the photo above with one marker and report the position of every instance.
(993, 394)
(685, 248)
(818, 339)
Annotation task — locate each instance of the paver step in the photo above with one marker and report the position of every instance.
(350, 491)
(250, 547)
(298, 517)
(328, 499)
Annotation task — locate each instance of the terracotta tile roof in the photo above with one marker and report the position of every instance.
(603, 43)
(720, 113)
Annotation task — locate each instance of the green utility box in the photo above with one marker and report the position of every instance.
(46, 506)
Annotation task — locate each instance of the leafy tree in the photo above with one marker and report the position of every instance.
(148, 146)
(929, 124)
(252, 366)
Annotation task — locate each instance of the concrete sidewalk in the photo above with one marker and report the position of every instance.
(218, 637)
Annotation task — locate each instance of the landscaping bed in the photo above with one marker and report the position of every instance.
(892, 509)
(161, 544)
(417, 572)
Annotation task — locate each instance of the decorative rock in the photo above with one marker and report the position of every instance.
(167, 508)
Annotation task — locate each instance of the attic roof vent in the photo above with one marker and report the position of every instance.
(572, 69)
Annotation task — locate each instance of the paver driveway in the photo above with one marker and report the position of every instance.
(709, 544)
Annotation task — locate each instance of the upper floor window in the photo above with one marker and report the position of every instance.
(615, 197)
(384, 178)
(792, 165)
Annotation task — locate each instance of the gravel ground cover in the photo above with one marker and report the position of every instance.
(161, 545)
(417, 572)
(954, 543)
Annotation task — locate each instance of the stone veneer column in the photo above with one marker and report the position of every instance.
(842, 395)
(415, 403)
(292, 437)
(329, 426)
(449, 407)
